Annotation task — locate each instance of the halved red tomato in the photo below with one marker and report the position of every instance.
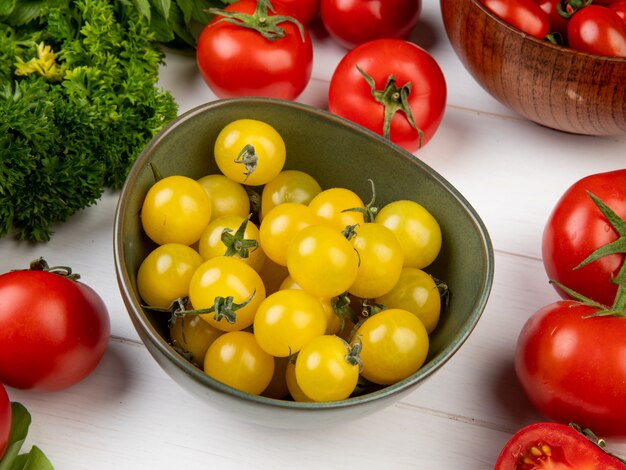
(552, 446)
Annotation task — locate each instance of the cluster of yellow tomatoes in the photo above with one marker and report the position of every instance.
(306, 293)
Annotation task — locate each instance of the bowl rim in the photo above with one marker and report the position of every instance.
(139, 317)
(553, 47)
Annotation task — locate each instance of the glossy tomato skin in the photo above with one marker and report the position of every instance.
(53, 331)
(553, 445)
(350, 95)
(238, 61)
(304, 10)
(571, 368)
(576, 228)
(5, 420)
(558, 24)
(619, 7)
(354, 22)
(525, 15)
(597, 30)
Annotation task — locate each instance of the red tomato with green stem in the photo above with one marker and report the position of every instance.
(525, 15)
(252, 48)
(577, 227)
(53, 329)
(5, 420)
(571, 361)
(552, 446)
(597, 30)
(354, 22)
(392, 87)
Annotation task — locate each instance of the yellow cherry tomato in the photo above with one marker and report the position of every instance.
(192, 336)
(228, 279)
(250, 152)
(330, 206)
(292, 384)
(333, 322)
(288, 186)
(417, 231)
(248, 249)
(287, 320)
(380, 260)
(327, 369)
(165, 274)
(236, 359)
(279, 227)
(176, 209)
(227, 197)
(322, 261)
(394, 345)
(416, 292)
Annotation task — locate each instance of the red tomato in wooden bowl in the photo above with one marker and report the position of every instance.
(597, 30)
(555, 446)
(273, 57)
(525, 15)
(576, 228)
(572, 366)
(53, 330)
(392, 87)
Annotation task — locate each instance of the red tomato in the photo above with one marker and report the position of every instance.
(576, 228)
(354, 22)
(407, 72)
(619, 7)
(235, 60)
(558, 24)
(303, 10)
(572, 368)
(525, 15)
(53, 330)
(5, 420)
(552, 446)
(597, 30)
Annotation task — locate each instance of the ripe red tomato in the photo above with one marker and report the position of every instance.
(303, 10)
(552, 445)
(525, 15)
(412, 80)
(53, 330)
(572, 368)
(5, 420)
(619, 7)
(576, 228)
(558, 24)
(235, 60)
(354, 22)
(597, 30)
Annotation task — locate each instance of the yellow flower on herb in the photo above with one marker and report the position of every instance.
(44, 64)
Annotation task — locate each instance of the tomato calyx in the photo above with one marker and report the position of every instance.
(235, 243)
(40, 264)
(393, 99)
(222, 308)
(353, 357)
(260, 21)
(601, 443)
(341, 307)
(369, 211)
(571, 7)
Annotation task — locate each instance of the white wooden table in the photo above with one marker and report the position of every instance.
(129, 415)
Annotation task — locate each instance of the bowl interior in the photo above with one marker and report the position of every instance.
(336, 153)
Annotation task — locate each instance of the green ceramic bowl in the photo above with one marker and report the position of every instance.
(337, 153)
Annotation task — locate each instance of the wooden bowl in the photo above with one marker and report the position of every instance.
(335, 152)
(551, 85)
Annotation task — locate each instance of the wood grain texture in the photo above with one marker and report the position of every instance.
(553, 86)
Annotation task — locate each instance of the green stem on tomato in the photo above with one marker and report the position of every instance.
(236, 244)
(260, 21)
(393, 99)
